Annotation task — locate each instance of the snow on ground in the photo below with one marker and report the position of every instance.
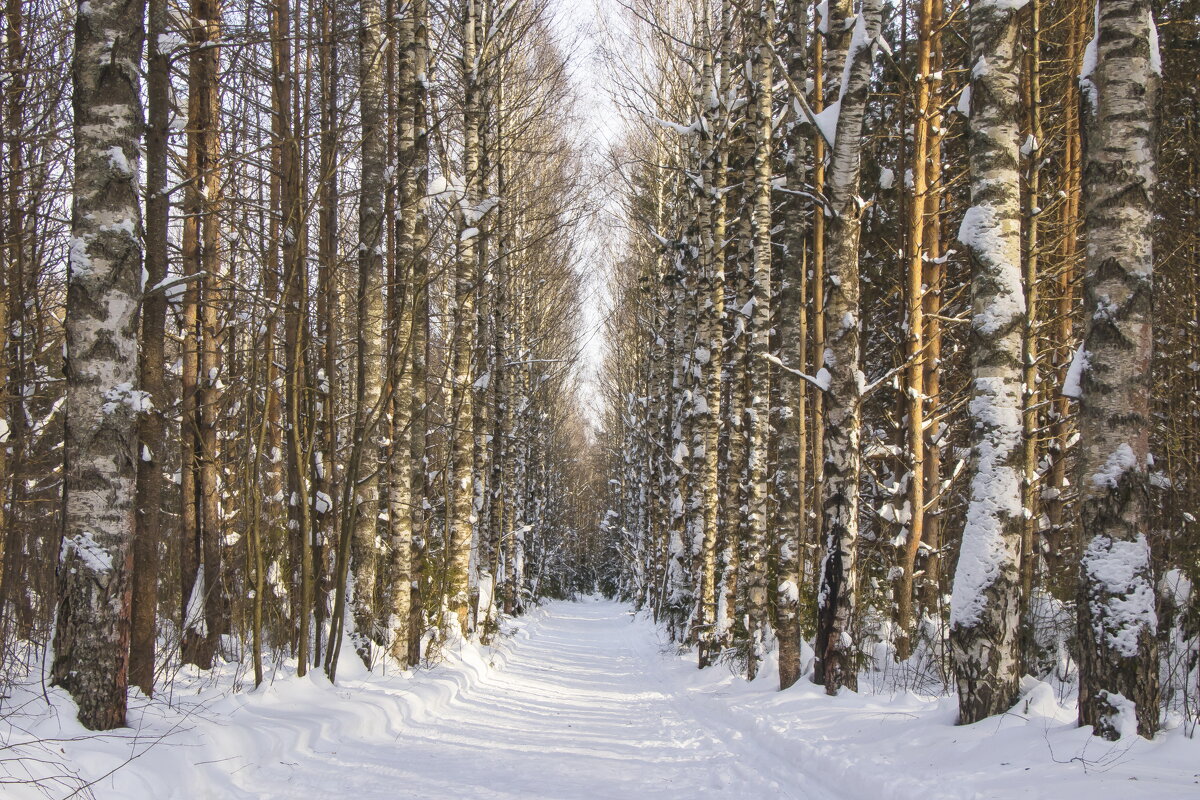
(582, 700)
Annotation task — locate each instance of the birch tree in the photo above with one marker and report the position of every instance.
(835, 665)
(791, 321)
(369, 406)
(758, 329)
(1116, 603)
(985, 610)
(91, 641)
(462, 489)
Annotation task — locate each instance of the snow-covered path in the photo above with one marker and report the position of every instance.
(582, 702)
(584, 708)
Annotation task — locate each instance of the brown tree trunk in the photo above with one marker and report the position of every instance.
(152, 432)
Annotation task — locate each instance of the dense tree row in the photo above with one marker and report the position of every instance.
(317, 349)
(903, 351)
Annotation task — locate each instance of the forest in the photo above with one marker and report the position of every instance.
(852, 344)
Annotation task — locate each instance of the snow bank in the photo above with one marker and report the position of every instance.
(579, 702)
(905, 746)
(202, 739)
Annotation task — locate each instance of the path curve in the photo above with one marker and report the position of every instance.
(585, 708)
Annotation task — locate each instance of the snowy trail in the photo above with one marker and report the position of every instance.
(584, 708)
(583, 702)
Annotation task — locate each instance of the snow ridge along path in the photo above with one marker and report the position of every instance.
(583, 708)
(580, 701)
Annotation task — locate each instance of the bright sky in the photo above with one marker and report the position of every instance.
(600, 123)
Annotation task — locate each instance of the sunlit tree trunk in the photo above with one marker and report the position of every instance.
(206, 607)
(91, 639)
(984, 609)
(461, 497)
(792, 325)
(368, 411)
(924, 106)
(1117, 616)
(712, 335)
(835, 666)
(758, 329)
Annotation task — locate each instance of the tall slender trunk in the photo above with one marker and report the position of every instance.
(206, 608)
(930, 589)
(1030, 396)
(285, 106)
(12, 255)
(368, 413)
(1117, 619)
(712, 327)
(1058, 537)
(420, 325)
(403, 466)
(829, 53)
(152, 432)
(91, 640)
(924, 105)
(792, 324)
(758, 329)
(327, 504)
(835, 662)
(984, 608)
(462, 490)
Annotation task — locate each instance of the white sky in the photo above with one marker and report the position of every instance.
(601, 125)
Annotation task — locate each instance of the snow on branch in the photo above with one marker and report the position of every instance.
(821, 380)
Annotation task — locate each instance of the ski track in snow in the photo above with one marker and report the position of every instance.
(584, 708)
(578, 701)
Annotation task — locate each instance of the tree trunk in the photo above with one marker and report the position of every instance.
(91, 640)
(1117, 621)
(404, 467)
(835, 651)
(758, 327)
(709, 411)
(925, 102)
(984, 609)
(419, 288)
(1030, 395)
(368, 410)
(205, 605)
(152, 433)
(462, 489)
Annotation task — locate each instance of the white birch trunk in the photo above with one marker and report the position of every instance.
(758, 325)
(984, 610)
(91, 640)
(364, 556)
(1118, 666)
(835, 650)
(462, 487)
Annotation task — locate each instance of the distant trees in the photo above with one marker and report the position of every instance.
(312, 436)
(326, 392)
(922, 431)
